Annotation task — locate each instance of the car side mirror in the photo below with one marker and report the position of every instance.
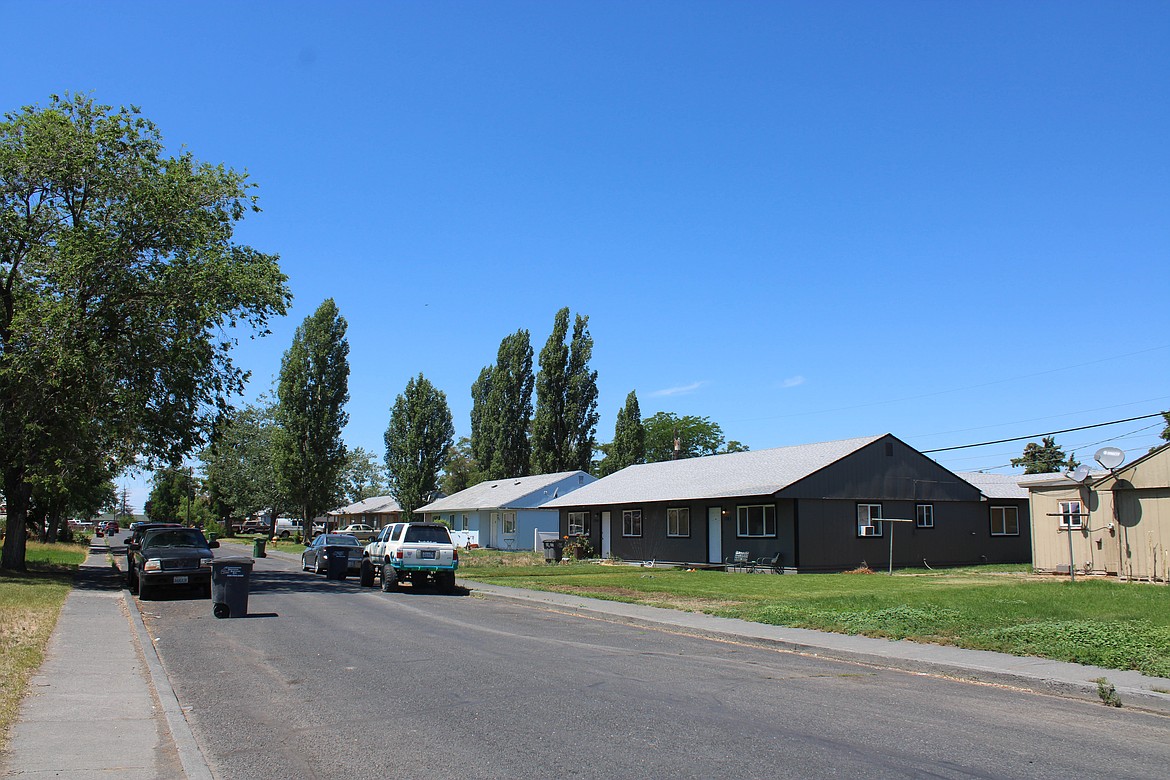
(133, 546)
(212, 545)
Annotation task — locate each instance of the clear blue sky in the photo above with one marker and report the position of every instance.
(805, 220)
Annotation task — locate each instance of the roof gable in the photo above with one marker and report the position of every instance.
(519, 492)
(737, 474)
(377, 505)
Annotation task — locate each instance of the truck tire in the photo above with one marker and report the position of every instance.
(367, 573)
(145, 589)
(389, 579)
(446, 581)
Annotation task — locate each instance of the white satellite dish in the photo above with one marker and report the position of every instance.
(1109, 457)
(1080, 473)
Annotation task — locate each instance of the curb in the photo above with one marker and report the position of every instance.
(910, 658)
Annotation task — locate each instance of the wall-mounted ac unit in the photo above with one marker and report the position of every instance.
(869, 530)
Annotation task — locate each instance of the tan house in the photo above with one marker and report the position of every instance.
(374, 512)
(1119, 521)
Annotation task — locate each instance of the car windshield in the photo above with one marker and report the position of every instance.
(427, 533)
(341, 539)
(180, 537)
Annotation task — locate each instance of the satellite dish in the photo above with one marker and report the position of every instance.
(1109, 457)
(1080, 473)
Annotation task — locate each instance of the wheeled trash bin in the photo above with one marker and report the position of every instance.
(338, 565)
(258, 547)
(553, 548)
(230, 581)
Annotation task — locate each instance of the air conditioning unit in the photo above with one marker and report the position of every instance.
(869, 530)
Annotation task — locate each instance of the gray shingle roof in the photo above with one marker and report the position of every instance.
(498, 493)
(757, 473)
(371, 506)
(995, 485)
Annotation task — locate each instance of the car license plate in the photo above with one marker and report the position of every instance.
(427, 554)
(180, 580)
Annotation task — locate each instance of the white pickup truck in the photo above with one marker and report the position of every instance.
(414, 552)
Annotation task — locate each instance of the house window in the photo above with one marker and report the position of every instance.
(758, 520)
(509, 522)
(1005, 521)
(466, 525)
(577, 522)
(869, 516)
(678, 522)
(924, 516)
(1070, 514)
(631, 522)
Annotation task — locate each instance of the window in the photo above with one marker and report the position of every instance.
(678, 522)
(631, 522)
(509, 522)
(757, 520)
(869, 516)
(1070, 514)
(924, 516)
(466, 525)
(1005, 521)
(577, 522)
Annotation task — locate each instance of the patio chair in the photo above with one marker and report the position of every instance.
(741, 560)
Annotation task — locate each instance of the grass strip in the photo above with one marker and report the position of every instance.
(30, 603)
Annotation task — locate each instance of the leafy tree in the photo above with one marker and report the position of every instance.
(566, 400)
(312, 393)
(364, 476)
(1166, 430)
(629, 438)
(240, 464)
(77, 489)
(697, 436)
(170, 494)
(734, 446)
(118, 280)
(461, 471)
(417, 442)
(1046, 458)
(502, 410)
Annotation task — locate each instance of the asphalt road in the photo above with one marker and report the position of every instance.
(329, 680)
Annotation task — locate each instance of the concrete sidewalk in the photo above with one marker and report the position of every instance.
(101, 706)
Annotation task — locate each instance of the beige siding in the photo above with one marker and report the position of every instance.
(1128, 529)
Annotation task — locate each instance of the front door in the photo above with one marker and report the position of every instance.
(606, 547)
(714, 534)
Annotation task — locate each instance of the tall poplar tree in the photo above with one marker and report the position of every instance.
(563, 430)
(418, 440)
(629, 438)
(311, 395)
(502, 410)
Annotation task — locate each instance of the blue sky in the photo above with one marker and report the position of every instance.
(807, 221)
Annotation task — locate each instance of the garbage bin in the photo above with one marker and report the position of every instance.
(212, 536)
(338, 563)
(553, 549)
(230, 580)
(258, 547)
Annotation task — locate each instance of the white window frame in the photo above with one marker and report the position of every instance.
(866, 516)
(1003, 513)
(630, 518)
(1070, 514)
(577, 523)
(743, 521)
(508, 523)
(678, 521)
(924, 516)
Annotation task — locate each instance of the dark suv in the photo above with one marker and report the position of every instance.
(137, 531)
(179, 557)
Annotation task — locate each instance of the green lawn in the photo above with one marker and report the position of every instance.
(1110, 624)
(29, 605)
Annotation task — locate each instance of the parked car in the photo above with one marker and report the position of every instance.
(286, 528)
(112, 527)
(178, 557)
(360, 531)
(137, 531)
(316, 555)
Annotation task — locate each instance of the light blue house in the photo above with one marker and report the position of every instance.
(507, 514)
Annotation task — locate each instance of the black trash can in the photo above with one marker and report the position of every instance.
(338, 563)
(553, 549)
(258, 547)
(230, 581)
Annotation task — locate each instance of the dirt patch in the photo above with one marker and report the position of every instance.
(670, 600)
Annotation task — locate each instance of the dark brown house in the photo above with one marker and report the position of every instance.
(823, 507)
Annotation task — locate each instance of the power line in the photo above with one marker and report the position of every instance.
(1039, 435)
